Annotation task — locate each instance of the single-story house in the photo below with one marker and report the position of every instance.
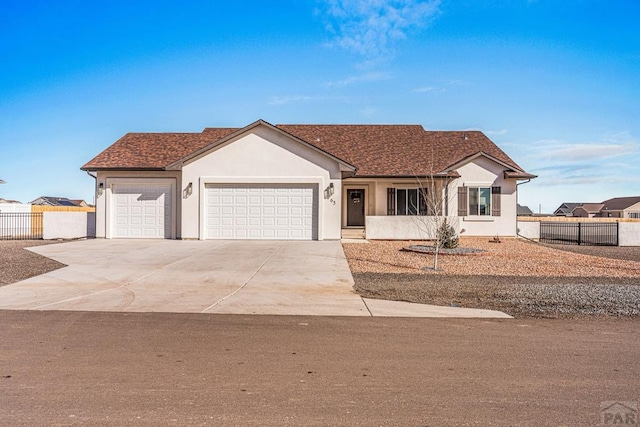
(524, 210)
(587, 210)
(57, 201)
(268, 181)
(621, 207)
(566, 209)
(9, 201)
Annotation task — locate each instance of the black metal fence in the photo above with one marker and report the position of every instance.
(580, 233)
(20, 225)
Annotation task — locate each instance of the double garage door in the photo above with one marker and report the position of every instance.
(269, 211)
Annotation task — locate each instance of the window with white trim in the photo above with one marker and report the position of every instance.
(635, 215)
(479, 201)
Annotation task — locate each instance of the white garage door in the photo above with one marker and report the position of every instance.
(261, 212)
(142, 210)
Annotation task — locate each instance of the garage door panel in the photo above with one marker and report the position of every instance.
(142, 210)
(260, 212)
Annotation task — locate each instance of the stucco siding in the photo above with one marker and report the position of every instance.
(405, 227)
(262, 156)
(483, 172)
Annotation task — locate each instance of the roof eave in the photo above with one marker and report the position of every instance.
(439, 175)
(96, 169)
(518, 175)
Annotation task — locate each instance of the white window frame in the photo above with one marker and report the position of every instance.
(478, 189)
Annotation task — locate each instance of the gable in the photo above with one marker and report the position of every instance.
(269, 132)
(481, 170)
(261, 151)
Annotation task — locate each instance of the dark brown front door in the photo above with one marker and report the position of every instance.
(355, 208)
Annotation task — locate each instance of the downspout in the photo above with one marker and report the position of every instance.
(517, 185)
(95, 186)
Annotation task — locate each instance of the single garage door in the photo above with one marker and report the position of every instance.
(142, 210)
(287, 212)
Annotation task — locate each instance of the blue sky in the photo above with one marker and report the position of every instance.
(556, 84)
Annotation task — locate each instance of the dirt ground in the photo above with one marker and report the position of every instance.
(521, 278)
(79, 368)
(17, 263)
(629, 253)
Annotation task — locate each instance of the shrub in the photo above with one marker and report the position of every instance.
(447, 236)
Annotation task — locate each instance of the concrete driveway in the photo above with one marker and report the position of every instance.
(234, 277)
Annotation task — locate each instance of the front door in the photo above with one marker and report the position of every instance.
(355, 207)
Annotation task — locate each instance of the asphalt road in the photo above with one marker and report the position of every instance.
(70, 368)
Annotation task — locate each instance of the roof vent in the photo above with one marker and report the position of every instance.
(466, 137)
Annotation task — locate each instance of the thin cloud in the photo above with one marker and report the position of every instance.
(369, 111)
(439, 88)
(496, 132)
(569, 181)
(282, 100)
(581, 152)
(429, 89)
(610, 146)
(610, 159)
(362, 78)
(369, 27)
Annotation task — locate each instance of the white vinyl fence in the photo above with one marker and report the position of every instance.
(68, 225)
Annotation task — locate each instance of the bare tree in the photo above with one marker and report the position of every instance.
(431, 213)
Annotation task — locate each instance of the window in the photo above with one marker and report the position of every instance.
(410, 201)
(479, 201)
(635, 215)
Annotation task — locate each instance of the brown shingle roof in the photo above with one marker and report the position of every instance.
(400, 150)
(590, 207)
(152, 150)
(376, 150)
(620, 203)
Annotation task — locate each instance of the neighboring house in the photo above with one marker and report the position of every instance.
(566, 209)
(56, 201)
(301, 182)
(524, 211)
(79, 202)
(587, 210)
(8, 201)
(621, 207)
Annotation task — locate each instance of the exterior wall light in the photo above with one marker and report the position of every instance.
(100, 189)
(328, 192)
(188, 190)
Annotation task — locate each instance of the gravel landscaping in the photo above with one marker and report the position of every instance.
(17, 263)
(518, 277)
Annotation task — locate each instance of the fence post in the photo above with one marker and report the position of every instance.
(579, 233)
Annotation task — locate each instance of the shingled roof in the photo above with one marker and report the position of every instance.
(620, 203)
(152, 151)
(375, 150)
